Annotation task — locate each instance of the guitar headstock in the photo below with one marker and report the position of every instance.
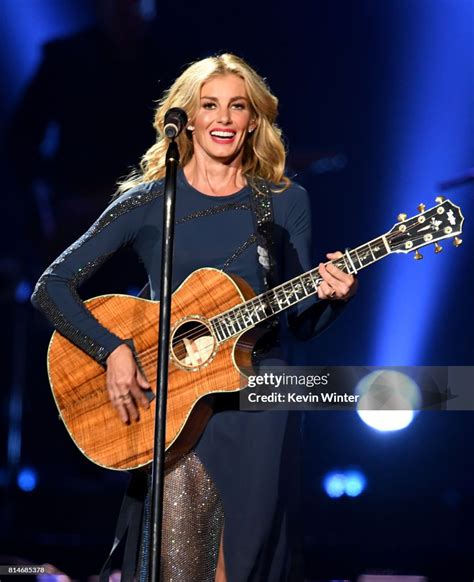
(444, 220)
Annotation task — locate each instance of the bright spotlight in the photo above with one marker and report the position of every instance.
(27, 479)
(387, 420)
(387, 400)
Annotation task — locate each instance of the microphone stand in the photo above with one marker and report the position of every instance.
(156, 514)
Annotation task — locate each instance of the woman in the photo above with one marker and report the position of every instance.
(226, 503)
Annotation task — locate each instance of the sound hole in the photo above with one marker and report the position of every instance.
(192, 344)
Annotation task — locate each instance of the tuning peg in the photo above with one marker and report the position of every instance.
(417, 256)
(440, 199)
(401, 217)
(421, 207)
(457, 242)
(438, 248)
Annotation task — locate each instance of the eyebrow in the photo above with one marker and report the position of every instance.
(216, 99)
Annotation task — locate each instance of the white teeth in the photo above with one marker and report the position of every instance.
(224, 134)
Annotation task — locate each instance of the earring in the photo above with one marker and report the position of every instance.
(251, 129)
(190, 128)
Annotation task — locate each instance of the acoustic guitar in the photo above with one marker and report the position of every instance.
(213, 315)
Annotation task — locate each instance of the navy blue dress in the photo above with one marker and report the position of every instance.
(250, 458)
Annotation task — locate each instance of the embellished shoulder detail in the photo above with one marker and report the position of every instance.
(263, 203)
(55, 293)
(214, 210)
(133, 198)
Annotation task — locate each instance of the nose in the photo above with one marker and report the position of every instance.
(224, 115)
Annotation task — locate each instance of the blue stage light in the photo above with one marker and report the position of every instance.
(329, 164)
(27, 479)
(4, 477)
(148, 9)
(422, 141)
(334, 484)
(350, 482)
(355, 483)
(23, 292)
(134, 291)
(31, 24)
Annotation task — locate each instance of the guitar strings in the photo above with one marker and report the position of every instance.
(240, 318)
(203, 331)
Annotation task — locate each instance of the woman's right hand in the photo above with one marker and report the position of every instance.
(125, 384)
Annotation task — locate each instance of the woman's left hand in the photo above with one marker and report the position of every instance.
(336, 284)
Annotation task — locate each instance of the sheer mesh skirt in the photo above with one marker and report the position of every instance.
(193, 518)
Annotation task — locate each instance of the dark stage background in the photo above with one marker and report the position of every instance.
(377, 109)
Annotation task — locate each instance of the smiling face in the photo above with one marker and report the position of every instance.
(224, 119)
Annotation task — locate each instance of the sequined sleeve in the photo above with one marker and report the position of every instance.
(56, 294)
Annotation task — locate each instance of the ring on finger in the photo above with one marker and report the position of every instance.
(125, 396)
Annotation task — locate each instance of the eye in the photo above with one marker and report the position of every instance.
(239, 105)
(208, 105)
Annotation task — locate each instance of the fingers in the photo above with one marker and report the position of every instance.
(125, 405)
(142, 381)
(336, 283)
(335, 271)
(137, 391)
(127, 395)
(324, 288)
(326, 293)
(336, 255)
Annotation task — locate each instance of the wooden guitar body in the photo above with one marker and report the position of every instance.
(79, 383)
(213, 323)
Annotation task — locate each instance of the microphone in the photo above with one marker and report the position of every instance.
(175, 120)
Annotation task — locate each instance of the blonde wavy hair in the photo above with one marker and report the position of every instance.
(264, 152)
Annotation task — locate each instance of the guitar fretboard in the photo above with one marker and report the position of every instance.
(247, 315)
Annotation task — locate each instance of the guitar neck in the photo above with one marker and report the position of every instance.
(247, 315)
